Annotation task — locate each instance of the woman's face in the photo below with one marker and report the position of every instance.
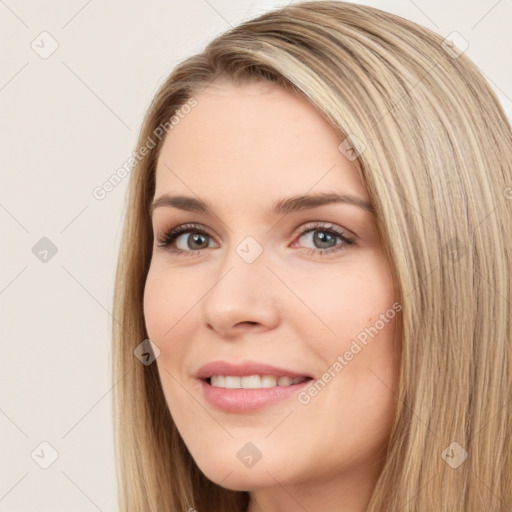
(292, 284)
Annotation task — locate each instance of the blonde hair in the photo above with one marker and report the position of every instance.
(435, 153)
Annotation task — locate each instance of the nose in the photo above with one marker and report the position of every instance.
(242, 296)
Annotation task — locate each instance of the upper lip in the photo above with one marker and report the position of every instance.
(244, 369)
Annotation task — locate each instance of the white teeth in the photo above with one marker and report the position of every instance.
(233, 382)
(250, 382)
(268, 381)
(253, 381)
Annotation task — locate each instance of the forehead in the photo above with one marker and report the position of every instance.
(251, 140)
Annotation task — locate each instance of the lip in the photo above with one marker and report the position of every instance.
(246, 400)
(244, 369)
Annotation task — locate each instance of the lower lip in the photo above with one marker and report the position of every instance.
(245, 400)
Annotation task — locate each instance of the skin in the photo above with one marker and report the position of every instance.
(242, 148)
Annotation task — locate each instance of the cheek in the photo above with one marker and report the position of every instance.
(360, 353)
(368, 296)
(344, 301)
(170, 314)
(361, 364)
(165, 303)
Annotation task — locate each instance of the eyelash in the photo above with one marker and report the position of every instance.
(170, 236)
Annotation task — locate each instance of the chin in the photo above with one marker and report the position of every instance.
(241, 479)
(231, 473)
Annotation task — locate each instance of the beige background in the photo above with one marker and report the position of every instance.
(69, 121)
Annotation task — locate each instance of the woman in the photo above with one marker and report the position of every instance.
(318, 245)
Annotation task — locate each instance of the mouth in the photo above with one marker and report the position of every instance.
(248, 386)
(237, 399)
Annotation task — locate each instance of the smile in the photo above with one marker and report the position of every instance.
(246, 400)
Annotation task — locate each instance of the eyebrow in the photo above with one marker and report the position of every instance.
(281, 206)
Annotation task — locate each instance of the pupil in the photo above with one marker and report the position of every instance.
(322, 237)
(196, 238)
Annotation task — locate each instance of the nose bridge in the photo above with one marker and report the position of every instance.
(242, 290)
(242, 270)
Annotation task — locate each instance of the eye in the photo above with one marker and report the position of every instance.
(325, 236)
(317, 233)
(193, 244)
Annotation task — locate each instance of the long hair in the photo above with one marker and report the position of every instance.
(434, 149)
